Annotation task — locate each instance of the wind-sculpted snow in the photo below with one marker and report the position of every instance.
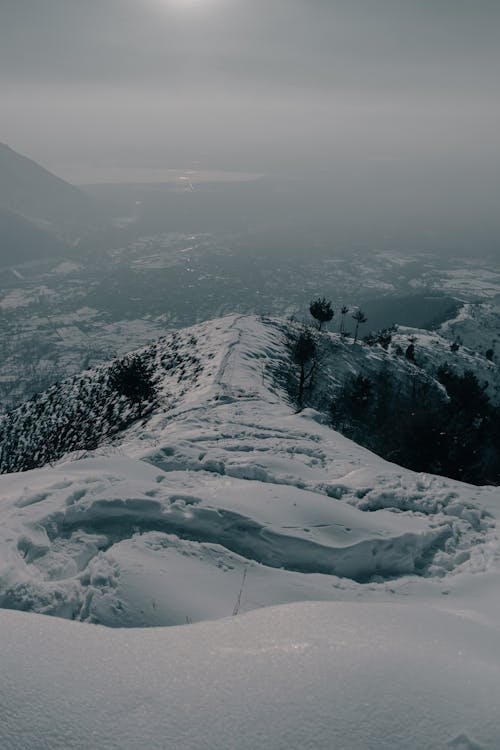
(79, 540)
(220, 501)
(228, 500)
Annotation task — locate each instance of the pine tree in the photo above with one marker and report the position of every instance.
(303, 350)
(321, 310)
(133, 379)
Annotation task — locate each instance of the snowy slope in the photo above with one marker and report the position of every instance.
(224, 499)
(477, 326)
(348, 676)
(476, 333)
(218, 504)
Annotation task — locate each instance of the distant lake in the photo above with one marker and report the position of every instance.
(149, 176)
(413, 310)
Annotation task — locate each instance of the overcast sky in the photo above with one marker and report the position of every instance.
(255, 85)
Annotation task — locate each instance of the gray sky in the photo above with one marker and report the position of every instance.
(252, 85)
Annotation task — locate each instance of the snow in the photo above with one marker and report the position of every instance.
(364, 595)
(67, 267)
(24, 297)
(315, 675)
(225, 484)
(117, 541)
(225, 481)
(476, 326)
(480, 282)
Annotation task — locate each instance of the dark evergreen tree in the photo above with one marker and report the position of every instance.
(383, 337)
(298, 380)
(352, 409)
(133, 379)
(321, 310)
(410, 352)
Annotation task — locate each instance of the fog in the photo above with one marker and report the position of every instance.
(392, 106)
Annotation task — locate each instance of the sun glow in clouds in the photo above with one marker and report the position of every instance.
(189, 8)
(188, 4)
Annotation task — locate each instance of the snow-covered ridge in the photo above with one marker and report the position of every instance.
(85, 411)
(223, 500)
(234, 357)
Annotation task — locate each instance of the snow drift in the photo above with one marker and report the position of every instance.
(223, 501)
(224, 498)
(331, 675)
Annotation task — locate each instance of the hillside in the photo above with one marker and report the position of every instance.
(332, 570)
(31, 191)
(221, 483)
(22, 240)
(86, 411)
(477, 326)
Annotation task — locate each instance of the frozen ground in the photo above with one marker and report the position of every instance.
(224, 499)
(477, 327)
(386, 635)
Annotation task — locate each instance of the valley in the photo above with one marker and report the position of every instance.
(249, 375)
(61, 315)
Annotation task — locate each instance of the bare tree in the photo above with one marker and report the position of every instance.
(343, 312)
(302, 347)
(360, 318)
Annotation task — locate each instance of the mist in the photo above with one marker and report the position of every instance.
(395, 102)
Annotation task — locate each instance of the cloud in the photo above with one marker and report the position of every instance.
(323, 43)
(249, 83)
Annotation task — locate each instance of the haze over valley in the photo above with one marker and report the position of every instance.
(249, 375)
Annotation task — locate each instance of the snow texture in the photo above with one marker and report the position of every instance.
(317, 675)
(224, 501)
(228, 498)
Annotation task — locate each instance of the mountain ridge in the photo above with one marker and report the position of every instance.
(199, 363)
(226, 487)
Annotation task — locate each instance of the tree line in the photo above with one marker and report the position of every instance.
(443, 423)
(322, 311)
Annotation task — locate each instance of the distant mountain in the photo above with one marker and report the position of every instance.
(28, 189)
(22, 240)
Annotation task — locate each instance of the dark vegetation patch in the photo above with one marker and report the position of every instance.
(453, 430)
(438, 421)
(81, 413)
